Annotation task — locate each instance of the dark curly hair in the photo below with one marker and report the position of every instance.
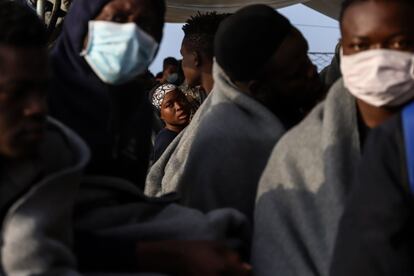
(200, 30)
(20, 26)
(347, 3)
(170, 61)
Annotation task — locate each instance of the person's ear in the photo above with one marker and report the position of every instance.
(196, 59)
(160, 114)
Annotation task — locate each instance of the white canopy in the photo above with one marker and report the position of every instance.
(181, 10)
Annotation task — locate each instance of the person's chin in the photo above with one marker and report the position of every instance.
(180, 123)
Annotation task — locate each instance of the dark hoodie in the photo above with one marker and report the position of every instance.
(115, 121)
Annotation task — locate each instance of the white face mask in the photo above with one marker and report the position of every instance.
(379, 77)
(118, 52)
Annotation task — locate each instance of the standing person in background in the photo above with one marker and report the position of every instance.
(41, 159)
(94, 89)
(303, 190)
(158, 77)
(170, 68)
(174, 111)
(197, 50)
(331, 73)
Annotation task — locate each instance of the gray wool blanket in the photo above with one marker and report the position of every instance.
(218, 159)
(117, 209)
(302, 190)
(36, 231)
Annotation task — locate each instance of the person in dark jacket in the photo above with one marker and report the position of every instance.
(170, 70)
(331, 73)
(174, 111)
(96, 96)
(375, 233)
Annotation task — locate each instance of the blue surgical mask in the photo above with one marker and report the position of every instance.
(118, 52)
(172, 78)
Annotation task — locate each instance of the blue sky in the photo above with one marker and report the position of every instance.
(321, 32)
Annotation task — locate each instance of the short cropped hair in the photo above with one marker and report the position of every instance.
(348, 3)
(170, 61)
(200, 30)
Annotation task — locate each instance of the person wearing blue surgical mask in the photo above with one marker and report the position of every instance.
(117, 48)
(95, 92)
(104, 47)
(170, 70)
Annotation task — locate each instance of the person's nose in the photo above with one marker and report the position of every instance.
(178, 106)
(376, 46)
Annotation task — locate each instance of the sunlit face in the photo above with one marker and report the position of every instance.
(23, 85)
(140, 12)
(378, 25)
(190, 66)
(175, 109)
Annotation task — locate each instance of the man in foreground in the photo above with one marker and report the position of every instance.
(41, 160)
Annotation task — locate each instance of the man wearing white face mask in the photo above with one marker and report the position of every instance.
(94, 92)
(375, 231)
(303, 189)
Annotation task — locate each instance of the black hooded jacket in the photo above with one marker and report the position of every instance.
(375, 235)
(115, 121)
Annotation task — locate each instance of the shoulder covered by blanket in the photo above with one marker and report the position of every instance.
(301, 192)
(220, 156)
(36, 230)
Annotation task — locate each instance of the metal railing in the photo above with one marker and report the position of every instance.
(321, 59)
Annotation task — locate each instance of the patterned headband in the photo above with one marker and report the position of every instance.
(160, 93)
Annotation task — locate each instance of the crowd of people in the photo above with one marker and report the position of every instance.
(238, 159)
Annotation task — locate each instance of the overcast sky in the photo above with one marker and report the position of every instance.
(321, 31)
